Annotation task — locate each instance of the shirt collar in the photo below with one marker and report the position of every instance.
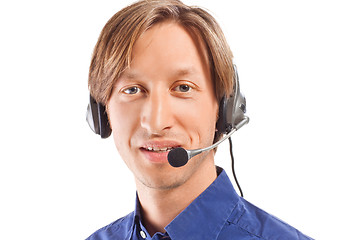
(205, 216)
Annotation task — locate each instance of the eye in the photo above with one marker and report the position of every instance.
(131, 90)
(183, 88)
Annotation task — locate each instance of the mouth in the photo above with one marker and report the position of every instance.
(156, 152)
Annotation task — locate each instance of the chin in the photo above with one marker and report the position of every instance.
(165, 179)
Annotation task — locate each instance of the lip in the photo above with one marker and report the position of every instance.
(157, 157)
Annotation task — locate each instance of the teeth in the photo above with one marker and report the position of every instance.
(159, 149)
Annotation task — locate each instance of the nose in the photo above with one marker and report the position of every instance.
(157, 113)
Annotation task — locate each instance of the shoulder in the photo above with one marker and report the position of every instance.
(118, 229)
(249, 220)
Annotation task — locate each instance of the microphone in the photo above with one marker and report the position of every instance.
(178, 157)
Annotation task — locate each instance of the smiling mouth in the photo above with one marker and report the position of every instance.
(158, 150)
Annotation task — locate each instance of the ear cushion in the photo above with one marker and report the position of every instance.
(231, 109)
(97, 118)
(105, 130)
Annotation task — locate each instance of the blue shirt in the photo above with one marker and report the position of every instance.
(218, 213)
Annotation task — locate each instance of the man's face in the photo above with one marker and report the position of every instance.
(164, 100)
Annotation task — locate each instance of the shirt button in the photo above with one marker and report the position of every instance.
(142, 234)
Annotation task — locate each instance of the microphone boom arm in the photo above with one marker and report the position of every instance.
(194, 152)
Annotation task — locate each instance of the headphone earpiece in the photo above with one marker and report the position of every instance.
(97, 118)
(231, 109)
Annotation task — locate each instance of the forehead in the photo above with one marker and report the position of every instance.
(169, 47)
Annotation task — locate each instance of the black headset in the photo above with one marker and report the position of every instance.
(231, 112)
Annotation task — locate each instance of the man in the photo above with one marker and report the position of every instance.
(160, 68)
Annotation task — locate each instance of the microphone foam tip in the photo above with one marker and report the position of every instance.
(178, 157)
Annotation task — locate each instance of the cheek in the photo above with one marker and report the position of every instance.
(208, 117)
(123, 120)
(199, 120)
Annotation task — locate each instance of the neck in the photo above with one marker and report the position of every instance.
(160, 206)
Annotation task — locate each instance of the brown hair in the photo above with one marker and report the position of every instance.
(112, 53)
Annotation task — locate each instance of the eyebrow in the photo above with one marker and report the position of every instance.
(130, 75)
(181, 72)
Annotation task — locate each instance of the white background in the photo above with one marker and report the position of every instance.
(297, 159)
